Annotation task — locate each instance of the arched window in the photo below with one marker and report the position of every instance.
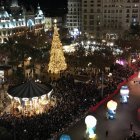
(30, 24)
(5, 40)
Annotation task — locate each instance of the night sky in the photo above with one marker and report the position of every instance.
(50, 7)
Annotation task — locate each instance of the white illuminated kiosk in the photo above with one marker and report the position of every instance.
(90, 122)
(124, 94)
(111, 112)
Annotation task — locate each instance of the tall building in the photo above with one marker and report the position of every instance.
(109, 18)
(92, 16)
(74, 15)
(16, 21)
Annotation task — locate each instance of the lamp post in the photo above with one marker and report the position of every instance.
(102, 82)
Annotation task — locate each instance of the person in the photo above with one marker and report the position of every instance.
(106, 133)
(131, 126)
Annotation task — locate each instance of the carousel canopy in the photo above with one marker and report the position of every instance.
(29, 89)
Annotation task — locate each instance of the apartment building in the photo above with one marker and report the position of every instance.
(118, 15)
(103, 18)
(73, 18)
(91, 16)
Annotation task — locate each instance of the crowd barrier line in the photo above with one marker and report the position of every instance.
(94, 108)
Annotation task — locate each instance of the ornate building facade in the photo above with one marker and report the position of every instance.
(17, 21)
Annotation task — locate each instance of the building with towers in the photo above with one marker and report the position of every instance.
(16, 20)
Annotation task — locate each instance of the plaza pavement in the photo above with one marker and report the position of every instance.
(118, 128)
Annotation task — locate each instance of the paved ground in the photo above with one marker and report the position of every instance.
(118, 128)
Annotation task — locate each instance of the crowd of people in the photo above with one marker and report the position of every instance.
(73, 102)
(133, 136)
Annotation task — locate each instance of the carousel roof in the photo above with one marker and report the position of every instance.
(29, 89)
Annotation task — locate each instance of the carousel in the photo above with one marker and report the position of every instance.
(30, 98)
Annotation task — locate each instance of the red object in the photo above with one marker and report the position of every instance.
(94, 108)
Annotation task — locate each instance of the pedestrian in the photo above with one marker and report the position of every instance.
(106, 133)
(131, 126)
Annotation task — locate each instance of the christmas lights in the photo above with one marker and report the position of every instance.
(57, 60)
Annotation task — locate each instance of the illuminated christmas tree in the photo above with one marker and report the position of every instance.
(57, 60)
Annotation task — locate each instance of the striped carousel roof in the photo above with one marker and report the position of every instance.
(29, 89)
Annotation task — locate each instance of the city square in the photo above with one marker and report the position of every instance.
(69, 70)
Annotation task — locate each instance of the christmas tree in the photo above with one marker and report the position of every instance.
(57, 60)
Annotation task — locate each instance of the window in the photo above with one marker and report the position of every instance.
(127, 11)
(91, 22)
(85, 16)
(85, 28)
(127, 20)
(127, 15)
(85, 10)
(135, 11)
(91, 10)
(98, 10)
(85, 22)
(91, 16)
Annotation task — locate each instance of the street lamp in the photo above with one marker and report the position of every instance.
(102, 82)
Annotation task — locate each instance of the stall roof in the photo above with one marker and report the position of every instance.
(29, 89)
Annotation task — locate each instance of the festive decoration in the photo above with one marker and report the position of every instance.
(90, 124)
(65, 137)
(111, 105)
(57, 60)
(124, 94)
